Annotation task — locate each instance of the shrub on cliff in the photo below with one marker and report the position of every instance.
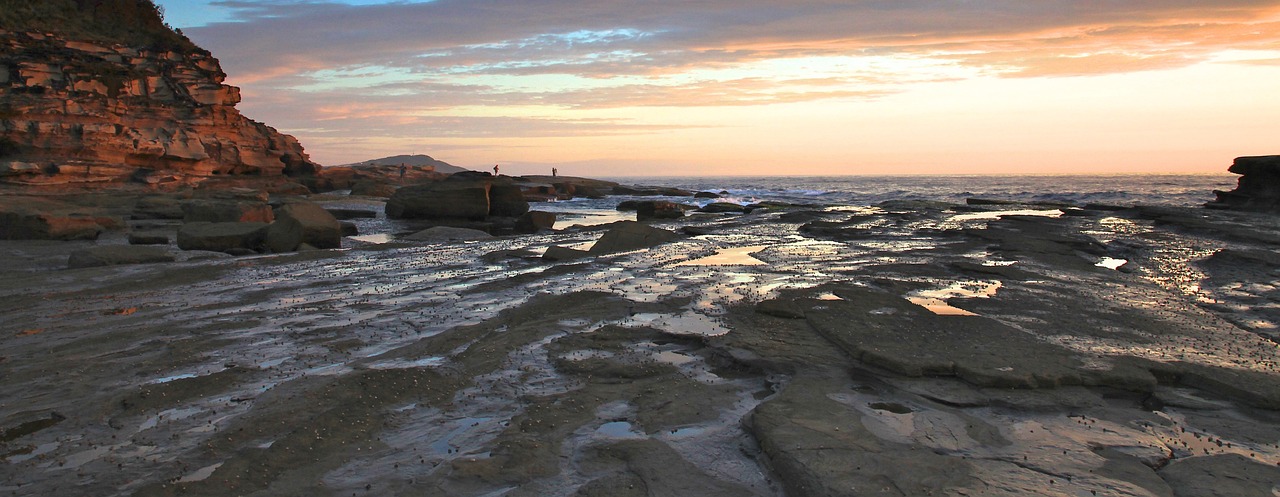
(135, 23)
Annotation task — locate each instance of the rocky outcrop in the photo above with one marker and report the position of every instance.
(1258, 188)
(462, 196)
(32, 218)
(80, 113)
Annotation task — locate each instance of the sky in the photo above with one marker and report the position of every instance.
(759, 87)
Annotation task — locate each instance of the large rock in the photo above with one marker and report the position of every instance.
(472, 197)
(1258, 188)
(222, 237)
(303, 222)
(659, 209)
(724, 207)
(631, 235)
(111, 255)
(535, 221)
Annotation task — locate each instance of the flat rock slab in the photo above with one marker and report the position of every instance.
(1226, 475)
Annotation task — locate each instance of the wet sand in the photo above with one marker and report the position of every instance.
(894, 350)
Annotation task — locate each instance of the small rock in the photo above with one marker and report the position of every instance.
(447, 234)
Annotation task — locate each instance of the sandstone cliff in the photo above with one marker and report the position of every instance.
(93, 112)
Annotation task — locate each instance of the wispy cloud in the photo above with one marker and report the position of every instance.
(389, 67)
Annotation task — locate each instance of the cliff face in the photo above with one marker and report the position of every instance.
(76, 112)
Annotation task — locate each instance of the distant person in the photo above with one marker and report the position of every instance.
(403, 168)
(495, 169)
(554, 172)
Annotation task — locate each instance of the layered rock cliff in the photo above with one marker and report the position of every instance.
(84, 112)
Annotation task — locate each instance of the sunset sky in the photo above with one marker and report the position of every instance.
(744, 87)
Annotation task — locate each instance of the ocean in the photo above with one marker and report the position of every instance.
(1126, 189)
(1189, 190)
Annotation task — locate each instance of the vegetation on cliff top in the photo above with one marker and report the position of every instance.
(134, 23)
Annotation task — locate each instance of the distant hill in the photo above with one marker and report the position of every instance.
(412, 160)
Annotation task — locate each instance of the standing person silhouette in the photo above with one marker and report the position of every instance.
(555, 172)
(403, 168)
(495, 169)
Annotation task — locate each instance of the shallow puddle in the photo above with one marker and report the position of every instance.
(936, 300)
(618, 429)
(994, 215)
(738, 256)
(376, 238)
(689, 323)
(200, 474)
(1111, 263)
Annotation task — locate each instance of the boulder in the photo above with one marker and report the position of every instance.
(535, 221)
(659, 209)
(111, 255)
(226, 211)
(706, 195)
(631, 235)
(349, 228)
(222, 237)
(303, 222)
(1258, 188)
(447, 234)
(472, 197)
(724, 207)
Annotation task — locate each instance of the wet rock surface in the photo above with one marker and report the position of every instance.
(903, 349)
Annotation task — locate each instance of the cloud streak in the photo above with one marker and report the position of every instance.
(396, 68)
